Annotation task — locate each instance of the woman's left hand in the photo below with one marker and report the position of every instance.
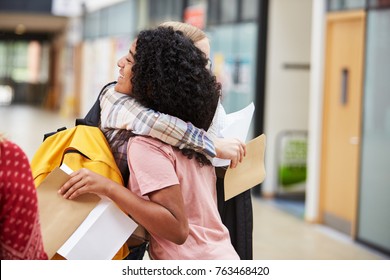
(84, 181)
(230, 148)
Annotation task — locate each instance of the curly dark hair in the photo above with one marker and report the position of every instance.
(170, 76)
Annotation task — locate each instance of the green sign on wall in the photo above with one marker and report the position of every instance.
(292, 160)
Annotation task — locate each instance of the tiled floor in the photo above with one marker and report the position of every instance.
(277, 234)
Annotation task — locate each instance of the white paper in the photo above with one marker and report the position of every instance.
(66, 169)
(101, 235)
(236, 126)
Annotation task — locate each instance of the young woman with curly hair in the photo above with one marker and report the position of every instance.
(120, 110)
(172, 192)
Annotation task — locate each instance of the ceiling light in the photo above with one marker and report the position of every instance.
(20, 29)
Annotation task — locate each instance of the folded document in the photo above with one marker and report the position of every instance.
(101, 234)
(87, 227)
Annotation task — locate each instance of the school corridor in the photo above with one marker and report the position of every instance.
(277, 234)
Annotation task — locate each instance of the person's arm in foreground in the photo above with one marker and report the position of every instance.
(20, 230)
(163, 215)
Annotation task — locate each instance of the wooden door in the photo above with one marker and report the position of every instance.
(343, 87)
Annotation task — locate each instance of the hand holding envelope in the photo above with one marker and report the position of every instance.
(87, 227)
(60, 217)
(250, 172)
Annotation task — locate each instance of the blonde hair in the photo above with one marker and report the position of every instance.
(190, 31)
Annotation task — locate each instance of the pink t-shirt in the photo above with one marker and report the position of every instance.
(155, 165)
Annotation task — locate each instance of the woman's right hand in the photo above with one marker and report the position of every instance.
(86, 181)
(230, 148)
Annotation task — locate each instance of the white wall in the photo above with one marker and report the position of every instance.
(99, 66)
(287, 90)
(315, 111)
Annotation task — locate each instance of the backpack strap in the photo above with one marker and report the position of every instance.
(52, 133)
(93, 119)
(93, 116)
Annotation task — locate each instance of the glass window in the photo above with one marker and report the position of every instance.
(378, 3)
(3, 62)
(17, 60)
(250, 9)
(122, 18)
(113, 20)
(103, 22)
(233, 56)
(339, 5)
(229, 11)
(375, 159)
(212, 12)
(195, 13)
(19, 63)
(164, 10)
(92, 25)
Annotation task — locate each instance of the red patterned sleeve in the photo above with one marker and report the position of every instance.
(20, 232)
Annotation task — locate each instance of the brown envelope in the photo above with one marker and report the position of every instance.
(60, 217)
(250, 172)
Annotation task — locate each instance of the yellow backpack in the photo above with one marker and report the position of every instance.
(78, 147)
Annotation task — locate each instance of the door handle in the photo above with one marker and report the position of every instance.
(344, 86)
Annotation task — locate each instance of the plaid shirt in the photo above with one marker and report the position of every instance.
(121, 112)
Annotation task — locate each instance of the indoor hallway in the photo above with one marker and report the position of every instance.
(278, 235)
